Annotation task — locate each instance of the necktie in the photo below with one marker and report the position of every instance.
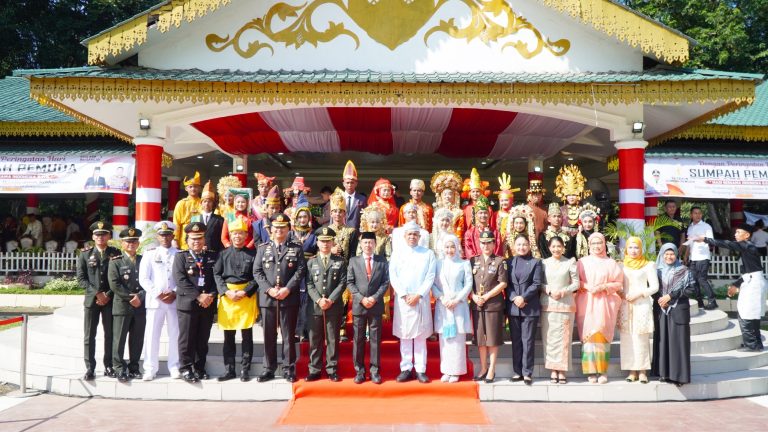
(349, 204)
(368, 270)
(205, 219)
(325, 262)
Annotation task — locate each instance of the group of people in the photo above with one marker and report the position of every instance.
(244, 260)
(33, 233)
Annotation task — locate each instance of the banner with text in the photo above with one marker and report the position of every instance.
(706, 178)
(67, 174)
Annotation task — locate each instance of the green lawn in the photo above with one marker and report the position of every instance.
(43, 291)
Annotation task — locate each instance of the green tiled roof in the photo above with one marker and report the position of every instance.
(709, 148)
(327, 76)
(53, 145)
(755, 114)
(16, 106)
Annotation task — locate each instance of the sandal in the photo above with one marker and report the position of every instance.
(643, 378)
(631, 377)
(553, 378)
(592, 379)
(562, 379)
(602, 379)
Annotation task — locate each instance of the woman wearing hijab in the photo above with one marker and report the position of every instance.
(453, 282)
(597, 307)
(672, 354)
(442, 226)
(241, 212)
(636, 313)
(561, 281)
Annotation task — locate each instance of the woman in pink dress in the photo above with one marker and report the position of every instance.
(597, 307)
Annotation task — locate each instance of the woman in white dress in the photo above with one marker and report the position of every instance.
(636, 313)
(453, 282)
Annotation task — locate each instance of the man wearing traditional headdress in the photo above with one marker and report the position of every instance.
(482, 223)
(186, 208)
(354, 202)
(214, 224)
(303, 235)
(506, 200)
(271, 207)
(475, 188)
(555, 228)
(264, 185)
(424, 210)
(535, 199)
(569, 187)
(446, 186)
(345, 243)
(383, 195)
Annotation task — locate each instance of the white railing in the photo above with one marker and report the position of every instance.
(38, 263)
(727, 267)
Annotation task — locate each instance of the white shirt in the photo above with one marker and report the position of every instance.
(759, 238)
(412, 271)
(699, 250)
(35, 229)
(155, 274)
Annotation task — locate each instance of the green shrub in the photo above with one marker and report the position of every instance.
(62, 284)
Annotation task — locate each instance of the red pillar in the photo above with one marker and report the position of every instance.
(120, 213)
(737, 212)
(631, 155)
(149, 155)
(243, 177)
(651, 209)
(33, 204)
(174, 185)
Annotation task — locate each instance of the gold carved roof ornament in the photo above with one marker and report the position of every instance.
(388, 22)
(570, 181)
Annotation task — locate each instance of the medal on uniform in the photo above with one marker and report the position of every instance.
(126, 277)
(290, 264)
(190, 272)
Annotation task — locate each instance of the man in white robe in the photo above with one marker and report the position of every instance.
(412, 273)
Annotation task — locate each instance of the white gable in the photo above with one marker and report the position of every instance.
(374, 35)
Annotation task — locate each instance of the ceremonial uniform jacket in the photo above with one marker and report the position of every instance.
(155, 274)
(327, 282)
(124, 281)
(486, 274)
(187, 272)
(286, 262)
(92, 269)
(235, 266)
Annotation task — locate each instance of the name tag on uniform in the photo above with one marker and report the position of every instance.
(201, 281)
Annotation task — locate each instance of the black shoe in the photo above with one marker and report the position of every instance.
(124, 377)
(227, 376)
(360, 378)
(290, 377)
(711, 305)
(334, 377)
(314, 376)
(89, 376)
(480, 377)
(245, 375)
(375, 378)
(109, 372)
(202, 374)
(343, 338)
(266, 376)
(189, 376)
(701, 304)
(404, 376)
(134, 374)
(422, 377)
(528, 381)
(516, 378)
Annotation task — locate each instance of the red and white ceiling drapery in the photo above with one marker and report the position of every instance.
(452, 132)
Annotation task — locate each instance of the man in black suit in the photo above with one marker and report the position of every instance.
(129, 314)
(195, 302)
(92, 268)
(353, 200)
(96, 181)
(367, 280)
(213, 222)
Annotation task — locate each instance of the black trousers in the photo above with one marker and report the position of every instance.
(360, 323)
(700, 273)
(92, 315)
(288, 316)
(750, 333)
(128, 328)
(194, 331)
(229, 350)
(323, 329)
(305, 312)
(522, 330)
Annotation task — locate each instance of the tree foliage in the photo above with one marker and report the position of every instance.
(47, 33)
(732, 35)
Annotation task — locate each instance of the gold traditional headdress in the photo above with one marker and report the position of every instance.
(373, 210)
(570, 181)
(208, 192)
(337, 200)
(227, 183)
(193, 181)
(505, 186)
(445, 179)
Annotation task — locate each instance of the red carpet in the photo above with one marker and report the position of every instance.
(325, 403)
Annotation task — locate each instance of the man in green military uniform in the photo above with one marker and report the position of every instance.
(128, 310)
(92, 266)
(278, 270)
(326, 281)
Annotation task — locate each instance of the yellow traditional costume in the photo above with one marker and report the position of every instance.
(240, 314)
(185, 209)
(223, 187)
(502, 216)
(570, 182)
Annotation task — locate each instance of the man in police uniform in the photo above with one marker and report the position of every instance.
(92, 266)
(238, 303)
(195, 302)
(326, 281)
(128, 310)
(156, 279)
(278, 269)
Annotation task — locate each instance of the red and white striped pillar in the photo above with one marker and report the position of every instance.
(92, 204)
(174, 186)
(737, 212)
(120, 205)
(33, 204)
(149, 180)
(651, 209)
(631, 155)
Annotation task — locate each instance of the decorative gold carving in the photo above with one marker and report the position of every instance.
(46, 101)
(389, 22)
(50, 129)
(488, 30)
(725, 132)
(736, 92)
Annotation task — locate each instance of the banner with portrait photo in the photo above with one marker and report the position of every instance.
(714, 178)
(54, 174)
